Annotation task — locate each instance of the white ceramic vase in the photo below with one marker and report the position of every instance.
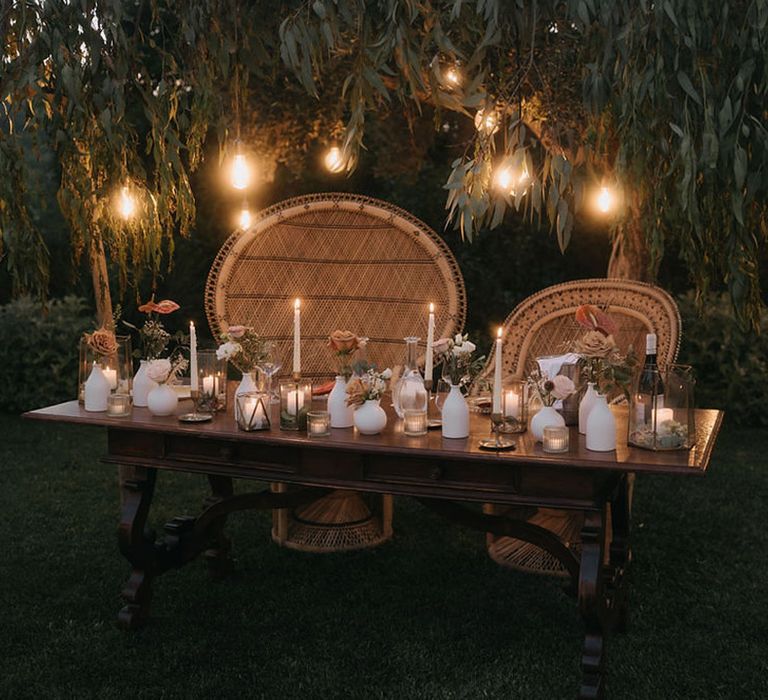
(601, 427)
(162, 400)
(585, 406)
(246, 386)
(370, 418)
(142, 385)
(342, 416)
(455, 414)
(96, 390)
(544, 417)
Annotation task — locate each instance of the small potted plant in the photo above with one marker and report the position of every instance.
(364, 394)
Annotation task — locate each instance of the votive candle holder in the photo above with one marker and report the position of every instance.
(295, 400)
(415, 422)
(119, 405)
(555, 438)
(318, 424)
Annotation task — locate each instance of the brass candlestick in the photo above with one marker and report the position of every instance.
(195, 417)
(432, 423)
(497, 443)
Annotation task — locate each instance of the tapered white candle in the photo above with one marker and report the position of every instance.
(192, 357)
(430, 339)
(297, 336)
(497, 376)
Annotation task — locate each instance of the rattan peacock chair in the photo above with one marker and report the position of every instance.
(358, 264)
(544, 324)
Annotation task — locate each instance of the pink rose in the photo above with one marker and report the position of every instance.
(562, 387)
(236, 331)
(440, 347)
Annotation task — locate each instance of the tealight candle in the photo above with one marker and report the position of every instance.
(318, 424)
(111, 375)
(119, 405)
(414, 422)
(556, 438)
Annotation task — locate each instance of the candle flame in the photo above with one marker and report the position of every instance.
(431, 308)
(297, 304)
(498, 332)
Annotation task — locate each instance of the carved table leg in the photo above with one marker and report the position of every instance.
(217, 555)
(620, 554)
(138, 547)
(592, 605)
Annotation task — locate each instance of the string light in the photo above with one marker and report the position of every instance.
(489, 123)
(126, 205)
(453, 76)
(506, 180)
(333, 160)
(240, 175)
(605, 200)
(245, 218)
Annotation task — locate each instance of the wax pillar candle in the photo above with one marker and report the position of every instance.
(497, 376)
(430, 339)
(512, 404)
(297, 336)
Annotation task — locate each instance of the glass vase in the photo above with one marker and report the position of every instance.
(117, 368)
(410, 393)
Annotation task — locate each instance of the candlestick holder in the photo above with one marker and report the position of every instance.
(497, 443)
(196, 416)
(295, 401)
(252, 412)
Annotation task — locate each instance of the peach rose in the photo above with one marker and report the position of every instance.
(595, 344)
(440, 347)
(562, 387)
(355, 393)
(103, 342)
(343, 341)
(236, 331)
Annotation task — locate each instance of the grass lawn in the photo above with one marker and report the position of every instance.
(428, 615)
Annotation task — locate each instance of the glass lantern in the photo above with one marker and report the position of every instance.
(515, 406)
(252, 411)
(295, 402)
(663, 418)
(211, 382)
(117, 368)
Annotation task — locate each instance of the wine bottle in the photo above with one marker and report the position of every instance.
(651, 385)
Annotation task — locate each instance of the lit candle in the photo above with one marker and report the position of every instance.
(192, 357)
(209, 385)
(118, 405)
(318, 423)
(295, 401)
(111, 375)
(297, 336)
(555, 438)
(512, 404)
(662, 414)
(497, 375)
(430, 339)
(415, 422)
(254, 413)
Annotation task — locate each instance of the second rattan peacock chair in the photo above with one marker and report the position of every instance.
(544, 324)
(358, 264)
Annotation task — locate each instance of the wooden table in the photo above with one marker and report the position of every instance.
(443, 474)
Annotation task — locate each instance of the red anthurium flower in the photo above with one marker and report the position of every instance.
(163, 307)
(594, 319)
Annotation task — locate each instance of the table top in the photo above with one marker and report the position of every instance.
(392, 441)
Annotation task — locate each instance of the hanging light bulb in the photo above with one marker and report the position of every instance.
(240, 175)
(486, 122)
(502, 179)
(245, 218)
(126, 204)
(333, 160)
(452, 76)
(606, 200)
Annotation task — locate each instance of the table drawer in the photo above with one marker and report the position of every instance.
(258, 455)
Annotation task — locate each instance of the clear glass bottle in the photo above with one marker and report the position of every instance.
(410, 393)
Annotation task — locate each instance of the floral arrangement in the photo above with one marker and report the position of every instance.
(370, 386)
(549, 390)
(153, 338)
(600, 356)
(102, 342)
(243, 347)
(455, 355)
(166, 371)
(344, 344)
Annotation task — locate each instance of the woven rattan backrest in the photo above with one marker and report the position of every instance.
(357, 264)
(544, 323)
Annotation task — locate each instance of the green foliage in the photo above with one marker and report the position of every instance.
(731, 363)
(39, 352)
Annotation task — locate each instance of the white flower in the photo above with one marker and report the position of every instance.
(386, 374)
(563, 387)
(227, 350)
(458, 339)
(464, 348)
(158, 370)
